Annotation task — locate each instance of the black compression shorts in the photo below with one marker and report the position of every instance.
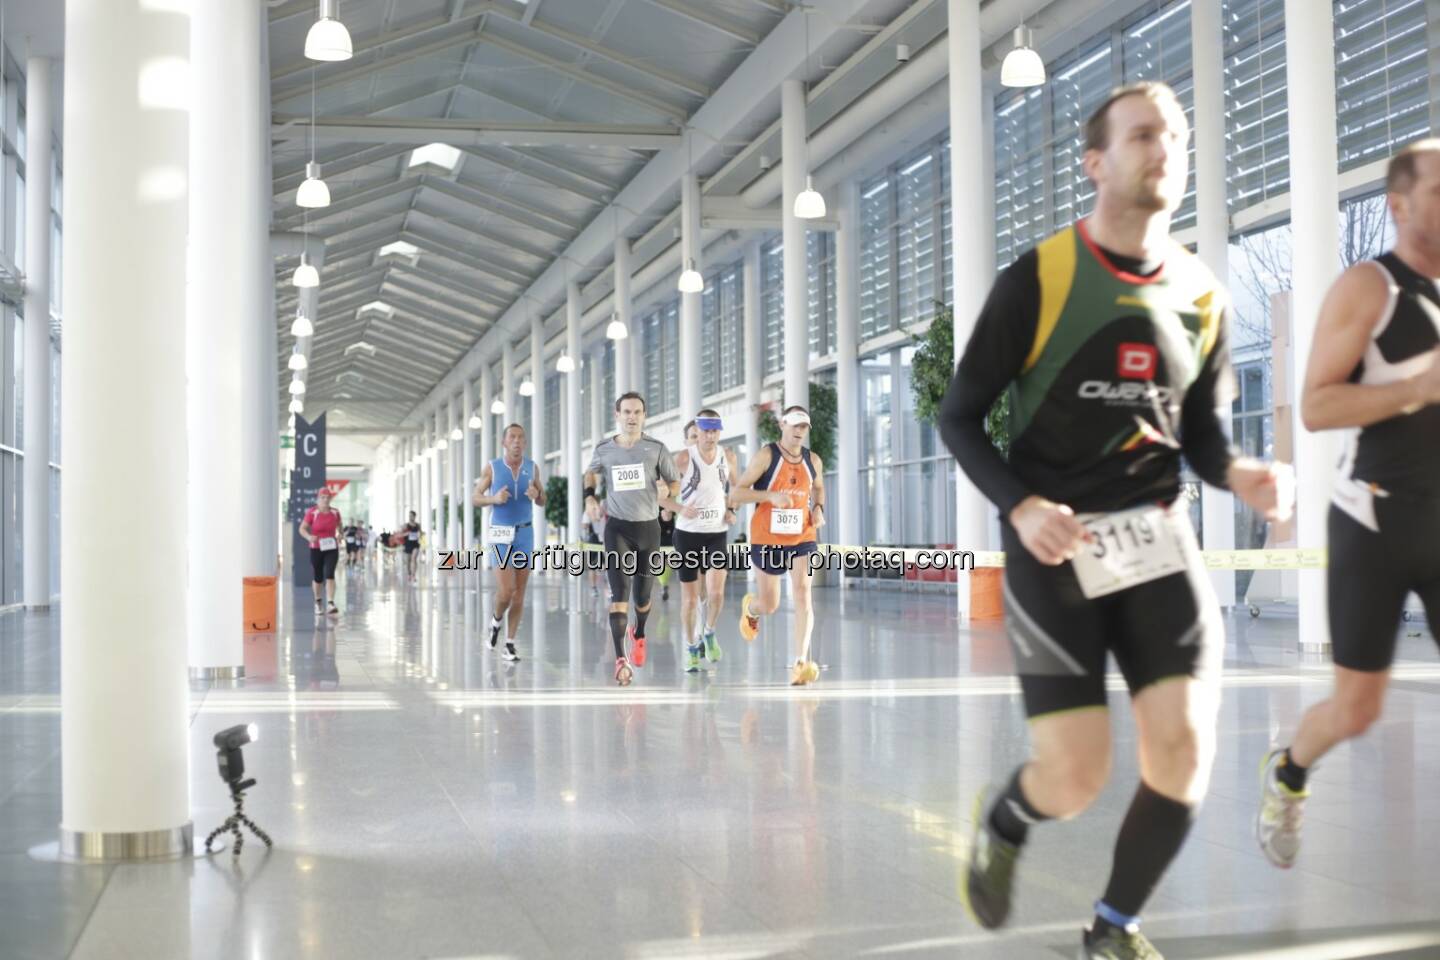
(640, 537)
(322, 563)
(1170, 627)
(1371, 573)
(699, 551)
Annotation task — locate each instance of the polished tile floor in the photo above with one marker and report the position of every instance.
(428, 800)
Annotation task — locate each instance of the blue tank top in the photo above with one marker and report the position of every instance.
(517, 509)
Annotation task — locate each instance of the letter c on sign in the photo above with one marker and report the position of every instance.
(308, 445)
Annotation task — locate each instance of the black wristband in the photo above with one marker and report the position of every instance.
(590, 492)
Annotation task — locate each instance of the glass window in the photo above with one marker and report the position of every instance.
(1020, 189)
(820, 291)
(1382, 90)
(772, 306)
(877, 314)
(1077, 89)
(1157, 47)
(1257, 137)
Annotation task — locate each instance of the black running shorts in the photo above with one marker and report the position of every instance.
(623, 537)
(1170, 627)
(699, 551)
(1371, 574)
(322, 563)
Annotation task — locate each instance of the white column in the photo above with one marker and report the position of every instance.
(625, 373)
(572, 410)
(422, 479)
(690, 306)
(1207, 40)
(467, 482)
(223, 302)
(35, 504)
(1314, 159)
(453, 475)
(507, 393)
(537, 415)
(847, 364)
(260, 411)
(596, 412)
(753, 361)
(973, 242)
(487, 439)
(124, 698)
(442, 469)
(792, 175)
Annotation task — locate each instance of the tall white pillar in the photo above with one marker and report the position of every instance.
(223, 303)
(625, 374)
(596, 413)
(537, 416)
(488, 443)
(974, 248)
(847, 363)
(793, 167)
(124, 698)
(442, 470)
(453, 476)
(1207, 41)
(754, 363)
(508, 392)
(422, 477)
(1314, 161)
(467, 482)
(35, 504)
(571, 384)
(690, 303)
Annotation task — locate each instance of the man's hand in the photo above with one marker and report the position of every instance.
(592, 509)
(1048, 530)
(1426, 383)
(1266, 488)
(817, 516)
(534, 491)
(503, 496)
(778, 499)
(689, 512)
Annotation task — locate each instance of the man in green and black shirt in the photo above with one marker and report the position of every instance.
(1112, 342)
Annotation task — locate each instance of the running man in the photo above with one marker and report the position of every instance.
(321, 529)
(352, 544)
(629, 464)
(787, 480)
(412, 546)
(512, 487)
(1112, 341)
(705, 470)
(1374, 365)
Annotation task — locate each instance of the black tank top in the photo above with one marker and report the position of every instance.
(1401, 454)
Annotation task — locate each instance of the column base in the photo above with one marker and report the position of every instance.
(217, 673)
(37, 607)
(88, 846)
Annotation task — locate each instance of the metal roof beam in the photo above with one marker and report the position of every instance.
(461, 133)
(705, 18)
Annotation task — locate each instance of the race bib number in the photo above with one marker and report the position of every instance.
(1130, 547)
(787, 522)
(412, 536)
(502, 534)
(327, 543)
(709, 515)
(629, 476)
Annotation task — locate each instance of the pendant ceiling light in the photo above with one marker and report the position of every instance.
(297, 388)
(809, 205)
(302, 327)
(497, 406)
(297, 360)
(527, 389)
(305, 276)
(297, 405)
(617, 329)
(313, 192)
(690, 279)
(328, 40)
(564, 364)
(475, 422)
(1022, 66)
(457, 434)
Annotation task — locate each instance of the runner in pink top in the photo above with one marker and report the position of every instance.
(321, 527)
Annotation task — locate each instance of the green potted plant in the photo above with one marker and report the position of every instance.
(557, 497)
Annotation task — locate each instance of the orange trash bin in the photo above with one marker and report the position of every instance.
(986, 600)
(259, 604)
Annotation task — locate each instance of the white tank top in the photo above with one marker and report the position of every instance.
(704, 487)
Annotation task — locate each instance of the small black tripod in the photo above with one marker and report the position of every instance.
(233, 822)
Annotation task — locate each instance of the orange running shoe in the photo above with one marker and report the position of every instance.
(749, 625)
(636, 646)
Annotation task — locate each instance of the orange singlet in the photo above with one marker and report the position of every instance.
(796, 479)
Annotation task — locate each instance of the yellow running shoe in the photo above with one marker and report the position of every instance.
(749, 625)
(803, 672)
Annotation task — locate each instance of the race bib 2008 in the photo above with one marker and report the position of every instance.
(629, 476)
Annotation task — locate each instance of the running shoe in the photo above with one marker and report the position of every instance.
(623, 673)
(712, 647)
(510, 653)
(803, 672)
(495, 626)
(334, 611)
(991, 876)
(692, 661)
(1117, 943)
(636, 646)
(1282, 810)
(749, 625)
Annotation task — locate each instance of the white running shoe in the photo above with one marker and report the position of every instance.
(1282, 810)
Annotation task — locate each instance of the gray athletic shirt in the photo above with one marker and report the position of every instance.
(630, 474)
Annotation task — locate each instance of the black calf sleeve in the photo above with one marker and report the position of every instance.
(618, 622)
